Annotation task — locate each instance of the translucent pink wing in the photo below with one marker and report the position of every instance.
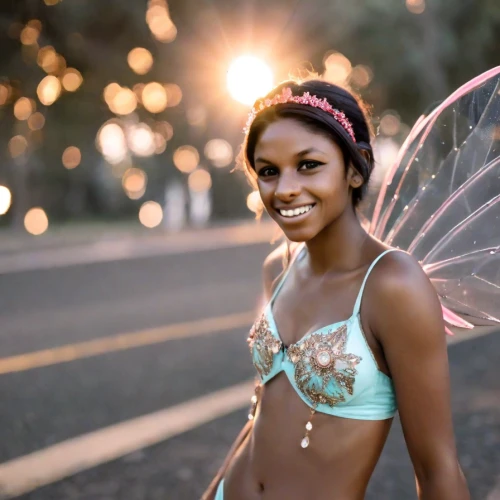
(441, 201)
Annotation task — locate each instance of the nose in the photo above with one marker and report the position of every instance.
(288, 187)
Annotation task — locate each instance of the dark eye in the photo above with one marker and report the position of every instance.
(267, 172)
(309, 164)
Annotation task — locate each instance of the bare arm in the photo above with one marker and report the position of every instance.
(407, 320)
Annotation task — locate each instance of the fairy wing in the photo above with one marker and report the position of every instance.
(441, 201)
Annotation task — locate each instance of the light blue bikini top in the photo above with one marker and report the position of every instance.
(332, 369)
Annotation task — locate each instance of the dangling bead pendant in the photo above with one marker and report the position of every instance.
(254, 400)
(305, 440)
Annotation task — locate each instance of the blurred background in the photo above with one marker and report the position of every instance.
(129, 252)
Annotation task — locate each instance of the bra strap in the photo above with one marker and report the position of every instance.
(295, 255)
(360, 294)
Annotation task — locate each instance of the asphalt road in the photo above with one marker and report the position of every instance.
(45, 405)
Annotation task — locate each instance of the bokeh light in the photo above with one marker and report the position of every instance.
(254, 202)
(51, 2)
(361, 76)
(17, 146)
(23, 108)
(30, 33)
(196, 116)
(150, 214)
(49, 89)
(137, 89)
(159, 22)
(5, 199)
(199, 181)
(140, 60)
(141, 140)
(165, 129)
(134, 182)
(160, 143)
(111, 142)
(71, 157)
(76, 41)
(337, 68)
(36, 221)
(110, 92)
(36, 121)
(186, 158)
(123, 101)
(415, 6)
(174, 94)
(72, 79)
(249, 78)
(154, 97)
(390, 123)
(50, 61)
(219, 152)
(5, 92)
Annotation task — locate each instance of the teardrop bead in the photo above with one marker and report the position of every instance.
(305, 442)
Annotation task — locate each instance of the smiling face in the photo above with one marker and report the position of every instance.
(301, 178)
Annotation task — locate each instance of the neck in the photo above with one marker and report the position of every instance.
(338, 247)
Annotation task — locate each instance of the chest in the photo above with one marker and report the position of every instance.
(304, 305)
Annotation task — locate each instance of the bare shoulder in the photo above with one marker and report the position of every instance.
(399, 289)
(273, 267)
(396, 271)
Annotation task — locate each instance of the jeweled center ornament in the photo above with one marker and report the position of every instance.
(323, 358)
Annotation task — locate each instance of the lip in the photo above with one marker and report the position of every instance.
(296, 218)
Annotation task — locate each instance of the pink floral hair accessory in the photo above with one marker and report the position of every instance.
(307, 99)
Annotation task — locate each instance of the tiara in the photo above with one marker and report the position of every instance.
(307, 99)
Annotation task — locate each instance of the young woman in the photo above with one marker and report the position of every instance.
(327, 396)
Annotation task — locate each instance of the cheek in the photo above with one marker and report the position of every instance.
(333, 189)
(266, 190)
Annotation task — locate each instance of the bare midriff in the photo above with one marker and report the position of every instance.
(272, 465)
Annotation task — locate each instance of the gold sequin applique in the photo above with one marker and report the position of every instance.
(323, 370)
(263, 346)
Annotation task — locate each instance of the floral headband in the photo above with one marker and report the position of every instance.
(307, 99)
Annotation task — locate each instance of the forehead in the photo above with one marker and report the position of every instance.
(292, 136)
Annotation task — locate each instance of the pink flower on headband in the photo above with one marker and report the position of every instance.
(307, 99)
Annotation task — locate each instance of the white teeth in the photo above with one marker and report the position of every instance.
(296, 211)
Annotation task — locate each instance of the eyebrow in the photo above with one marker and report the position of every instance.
(300, 154)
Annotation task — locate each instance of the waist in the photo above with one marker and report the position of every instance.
(272, 465)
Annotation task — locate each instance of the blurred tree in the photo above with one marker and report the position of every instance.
(417, 51)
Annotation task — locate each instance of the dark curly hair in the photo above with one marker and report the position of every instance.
(359, 153)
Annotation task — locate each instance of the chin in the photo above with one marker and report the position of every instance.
(299, 235)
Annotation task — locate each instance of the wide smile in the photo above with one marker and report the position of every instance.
(295, 214)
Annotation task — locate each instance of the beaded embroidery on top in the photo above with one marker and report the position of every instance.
(307, 99)
(263, 345)
(323, 370)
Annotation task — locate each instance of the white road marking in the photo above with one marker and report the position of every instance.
(124, 341)
(24, 474)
